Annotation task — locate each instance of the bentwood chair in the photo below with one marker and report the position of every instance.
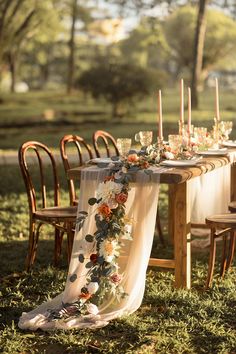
(83, 152)
(103, 139)
(35, 158)
(223, 225)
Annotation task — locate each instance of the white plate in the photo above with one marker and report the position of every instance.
(212, 152)
(180, 163)
(101, 160)
(229, 143)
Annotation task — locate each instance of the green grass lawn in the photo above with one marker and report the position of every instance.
(168, 321)
(25, 116)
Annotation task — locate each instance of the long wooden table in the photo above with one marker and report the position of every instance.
(179, 211)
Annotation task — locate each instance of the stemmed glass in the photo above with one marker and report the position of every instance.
(144, 137)
(226, 128)
(124, 146)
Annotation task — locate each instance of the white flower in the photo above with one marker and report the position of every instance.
(93, 309)
(169, 155)
(106, 191)
(92, 287)
(109, 249)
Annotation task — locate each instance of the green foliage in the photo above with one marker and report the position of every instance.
(220, 39)
(118, 83)
(146, 45)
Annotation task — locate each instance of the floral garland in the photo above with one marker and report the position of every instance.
(112, 227)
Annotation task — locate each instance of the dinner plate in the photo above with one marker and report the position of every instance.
(212, 152)
(229, 143)
(102, 160)
(180, 163)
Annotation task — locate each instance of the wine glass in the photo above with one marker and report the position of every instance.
(144, 137)
(123, 145)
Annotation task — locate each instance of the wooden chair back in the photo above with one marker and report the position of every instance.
(83, 153)
(103, 139)
(32, 154)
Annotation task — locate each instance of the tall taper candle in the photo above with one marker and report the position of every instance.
(217, 101)
(181, 123)
(160, 128)
(189, 114)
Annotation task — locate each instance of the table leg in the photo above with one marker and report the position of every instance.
(233, 182)
(181, 228)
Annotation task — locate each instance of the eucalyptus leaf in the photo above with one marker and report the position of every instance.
(89, 265)
(81, 258)
(89, 238)
(92, 201)
(73, 278)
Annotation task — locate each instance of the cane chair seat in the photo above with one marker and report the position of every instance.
(222, 225)
(56, 213)
(61, 218)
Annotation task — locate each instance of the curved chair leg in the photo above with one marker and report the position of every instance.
(32, 236)
(224, 256)
(57, 246)
(231, 249)
(70, 240)
(158, 227)
(212, 257)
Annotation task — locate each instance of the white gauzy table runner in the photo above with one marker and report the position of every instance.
(141, 208)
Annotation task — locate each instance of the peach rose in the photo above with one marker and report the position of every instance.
(132, 158)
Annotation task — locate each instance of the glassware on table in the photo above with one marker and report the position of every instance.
(200, 135)
(225, 128)
(175, 142)
(123, 145)
(144, 137)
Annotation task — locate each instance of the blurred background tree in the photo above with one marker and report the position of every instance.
(50, 44)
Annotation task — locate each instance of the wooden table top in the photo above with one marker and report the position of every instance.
(174, 175)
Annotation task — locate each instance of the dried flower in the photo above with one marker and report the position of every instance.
(116, 278)
(121, 198)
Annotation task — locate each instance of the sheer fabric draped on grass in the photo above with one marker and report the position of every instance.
(141, 207)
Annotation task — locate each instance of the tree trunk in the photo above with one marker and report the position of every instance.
(12, 67)
(71, 60)
(198, 50)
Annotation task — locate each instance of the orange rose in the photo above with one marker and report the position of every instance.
(104, 210)
(132, 158)
(85, 296)
(121, 198)
(109, 178)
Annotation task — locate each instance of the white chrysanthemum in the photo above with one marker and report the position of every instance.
(92, 309)
(107, 190)
(92, 287)
(109, 249)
